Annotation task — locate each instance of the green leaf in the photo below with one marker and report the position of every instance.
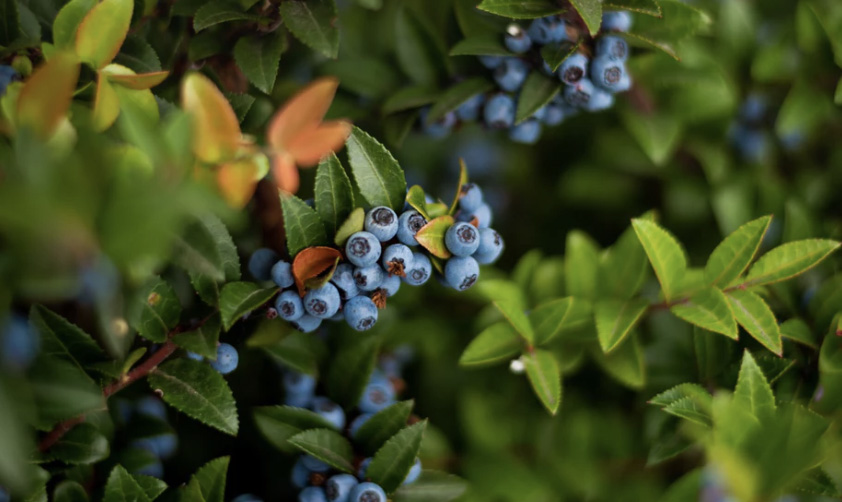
(690, 409)
(374, 433)
(299, 351)
(102, 31)
(515, 316)
(757, 318)
(416, 198)
(302, 224)
(625, 363)
(463, 180)
(804, 109)
(837, 98)
(591, 12)
(199, 391)
(817, 482)
(689, 401)
(432, 486)
(153, 487)
(198, 251)
(665, 254)
(378, 175)
(333, 193)
(431, 236)
(155, 311)
(623, 267)
(538, 90)
(392, 462)
(9, 22)
(67, 22)
(211, 479)
(61, 390)
(682, 391)
(279, 423)
(453, 97)
(753, 391)
(240, 298)
(545, 377)
(122, 487)
(554, 317)
(83, 444)
(259, 57)
(789, 260)
(520, 9)
(649, 7)
(555, 54)
(480, 45)
(581, 265)
(202, 340)
(797, 330)
(498, 342)
(70, 491)
(733, 255)
(352, 224)
(615, 319)
(351, 368)
(314, 22)
(62, 339)
(417, 54)
(708, 309)
(220, 11)
(328, 446)
(637, 40)
(408, 98)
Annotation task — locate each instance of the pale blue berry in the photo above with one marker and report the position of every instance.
(367, 492)
(376, 396)
(618, 20)
(461, 272)
(381, 222)
(282, 274)
(527, 132)
(363, 249)
(312, 494)
(420, 271)
(414, 472)
(338, 488)
(462, 239)
(490, 246)
(307, 323)
(361, 313)
(409, 223)
(343, 279)
(369, 278)
(261, 262)
(330, 411)
(289, 306)
(226, 359)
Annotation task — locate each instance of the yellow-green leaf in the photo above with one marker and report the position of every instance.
(753, 390)
(788, 260)
(45, 97)
(216, 130)
(431, 236)
(517, 318)
(126, 77)
(545, 376)
(67, 22)
(581, 265)
(665, 254)
(615, 319)
(102, 32)
(708, 309)
(415, 197)
(755, 316)
(106, 104)
(733, 255)
(496, 343)
(463, 180)
(551, 318)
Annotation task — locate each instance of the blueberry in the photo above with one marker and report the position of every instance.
(289, 306)
(499, 111)
(754, 145)
(154, 469)
(162, 445)
(624, 85)
(367, 492)
(396, 259)
(618, 20)
(461, 272)
(462, 239)
(376, 396)
(343, 279)
(490, 246)
(482, 214)
(361, 313)
(437, 128)
(330, 411)
(260, 264)
(554, 114)
(363, 248)
(613, 47)
(414, 472)
(527, 132)
(470, 109)
(306, 323)
(7, 76)
(194, 356)
(152, 407)
(540, 31)
(511, 75)
(470, 197)
(338, 488)
(409, 223)
(247, 497)
(323, 302)
(369, 278)
(420, 271)
(312, 494)
(390, 285)
(753, 108)
(300, 476)
(381, 222)
(540, 113)
(491, 62)
(358, 422)
(282, 274)
(19, 342)
(600, 100)
(298, 400)
(579, 94)
(607, 73)
(573, 69)
(226, 359)
(299, 383)
(517, 40)
(363, 468)
(312, 463)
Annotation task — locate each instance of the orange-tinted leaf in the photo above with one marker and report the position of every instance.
(310, 262)
(431, 236)
(106, 104)
(285, 173)
(302, 112)
(309, 147)
(216, 135)
(237, 181)
(138, 81)
(46, 96)
(102, 31)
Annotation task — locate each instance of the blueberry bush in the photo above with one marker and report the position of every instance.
(420, 250)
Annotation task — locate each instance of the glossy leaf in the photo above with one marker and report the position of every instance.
(302, 224)
(62, 339)
(755, 316)
(416, 198)
(753, 390)
(70, 491)
(45, 97)
(545, 376)
(314, 22)
(463, 180)
(665, 254)
(524, 9)
(431, 236)
(378, 176)
(537, 91)
(155, 311)
(313, 262)
(279, 423)
(240, 298)
(127, 78)
(220, 11)
(708, 309)
(623, 267)
(555, 54)
(456, 95)
(216, 135)
(515, 316)
(333, 193)
(122, 487)
(733, 255)
(432, 486)
(211, 479)
(554, 317)
(797, 330)
(67, 22)
(648, 7)
(102, 32)
(374, 433)
(615, 319)
(625, 363)
(352, 224)
(203, 340)
(581, 265)
(350, 372)
(591, 13)
(259, 58)
(61, 390)
(409, 98)
(788, 260)
(392, 462)
(83, 444)
(326, 445)
(496, 343)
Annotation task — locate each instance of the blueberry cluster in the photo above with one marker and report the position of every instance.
(150, 414)
(227, 358)
(750, 136)
(379, 259)
(316, 479)
(590, 83)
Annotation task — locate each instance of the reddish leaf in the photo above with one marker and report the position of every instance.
(216, 130)
(46, 96)
(285, 173)
(136, 81)
(311, 262)
(237, 180)
(304, 111)
(309, 147)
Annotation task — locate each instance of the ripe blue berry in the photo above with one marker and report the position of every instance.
(461, 272)
(381, 222)
(527, 132)
(396, 259)
(226, 359)
(554, 114)
(470, 197)
(261, 262)
(358, 422)
(313, 464)
(361, 313)
(618, 20)
(482, 214)
(289, 306)
(414, 472)
(306, 323)
(298, 400)
(19, 342)
(377, 395)
(490, 246)
(369, 278)
(343, 279)
(613, 47)
(363, 249)
(247, 497)
(323, 302)
(152, 407)
(338, 488)
(579, 94)
(517, 40)
(312, 494)
(299, 383)
(624, 85)
(607, 73)
(462, 239)
(499, 111)
(420, 271)
(573, 69)
(437, 128)
(330, 411)
(511, 75)
(600, 100)
(282, 274)
(491, 62)
(409, 224)
(367, 492)
(300, 476)
(363, 468)
(540, 31)
(390, 285)
(470, 109)
(162, 445)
